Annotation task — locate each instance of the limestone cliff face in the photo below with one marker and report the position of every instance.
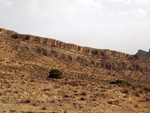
(106, 59)
(63, 45)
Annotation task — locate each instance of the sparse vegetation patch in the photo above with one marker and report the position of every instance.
(121, 82)
(55, 73)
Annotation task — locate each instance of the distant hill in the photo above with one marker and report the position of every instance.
(143, 53)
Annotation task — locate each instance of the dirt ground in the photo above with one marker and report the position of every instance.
(31, 94)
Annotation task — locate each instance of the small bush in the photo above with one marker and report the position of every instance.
(122, 82)
(55, 73)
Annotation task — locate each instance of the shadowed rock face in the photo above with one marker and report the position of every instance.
(74, 54)
(143, 53)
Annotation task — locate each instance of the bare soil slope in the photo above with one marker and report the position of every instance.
(25, 63)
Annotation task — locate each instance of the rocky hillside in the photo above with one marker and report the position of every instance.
(143, 53)
(25, 63)
(70, 57)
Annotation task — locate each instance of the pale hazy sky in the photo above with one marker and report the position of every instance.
(120, 25)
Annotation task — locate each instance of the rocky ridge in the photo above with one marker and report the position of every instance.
(143, 53)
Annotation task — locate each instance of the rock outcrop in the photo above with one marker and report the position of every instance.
(143, 53)
(59, 44)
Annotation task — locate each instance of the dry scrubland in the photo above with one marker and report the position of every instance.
(25, 63)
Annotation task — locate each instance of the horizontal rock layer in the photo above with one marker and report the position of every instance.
(106, 59)
(63, 45)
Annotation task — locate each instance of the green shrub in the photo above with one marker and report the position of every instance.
(121, 82)
(55, 73)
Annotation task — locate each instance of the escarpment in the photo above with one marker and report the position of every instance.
(77, 57)
(59, 44)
